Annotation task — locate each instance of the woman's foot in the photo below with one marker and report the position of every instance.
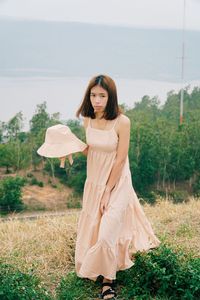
(108, 291)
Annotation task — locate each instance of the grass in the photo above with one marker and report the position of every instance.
(46, 245)
(177, 224)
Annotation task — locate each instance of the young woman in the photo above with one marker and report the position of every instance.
(112, 224)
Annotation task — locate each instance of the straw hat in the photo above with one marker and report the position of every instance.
(60, 142)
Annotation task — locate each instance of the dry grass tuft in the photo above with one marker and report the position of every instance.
(46, 245)
(177, 224)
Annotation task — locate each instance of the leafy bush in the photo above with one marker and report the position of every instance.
(53, 185)
(15, 285)
(160, 193)
(30, 175)
(11, 194)
(147, 196)
(157, 274)
(196, 187)
(34, 181)
(161, 273)
(179, 196)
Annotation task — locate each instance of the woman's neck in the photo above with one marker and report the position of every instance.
(98, 115)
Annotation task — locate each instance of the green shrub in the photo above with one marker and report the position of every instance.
(160, 193)
(11, 194)
(148, 196)
(196, 187)
(15, 285)
(53, 185)
(49, 181)
(29, 175)
(178, 196)
(157, 274)
(190, 285)
(40, 183)
(34, 181)
(161, 273)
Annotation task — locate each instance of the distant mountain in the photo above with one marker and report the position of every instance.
(37, 48)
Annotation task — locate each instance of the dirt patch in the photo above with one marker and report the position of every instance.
(51, 197)
(47, 197)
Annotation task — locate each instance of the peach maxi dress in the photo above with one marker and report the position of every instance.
(105, 242)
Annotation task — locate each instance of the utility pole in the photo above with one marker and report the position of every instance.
(182, 64)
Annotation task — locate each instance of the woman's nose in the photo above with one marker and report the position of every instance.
(97, 100)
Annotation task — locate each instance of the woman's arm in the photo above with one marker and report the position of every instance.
(122, 152)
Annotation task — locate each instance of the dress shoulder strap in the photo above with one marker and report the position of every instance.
(116, 120)
(89, 123)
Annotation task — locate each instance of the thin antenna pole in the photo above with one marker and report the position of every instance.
(182, 64)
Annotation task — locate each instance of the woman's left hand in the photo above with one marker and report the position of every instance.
(104, 201)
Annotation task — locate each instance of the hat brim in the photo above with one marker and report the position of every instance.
(60, 150)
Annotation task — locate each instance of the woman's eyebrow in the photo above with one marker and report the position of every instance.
(97, 93)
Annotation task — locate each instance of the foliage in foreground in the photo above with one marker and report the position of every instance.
(161, 273)
(72, 287)
(16, 285)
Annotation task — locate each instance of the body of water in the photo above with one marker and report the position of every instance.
(64, 95)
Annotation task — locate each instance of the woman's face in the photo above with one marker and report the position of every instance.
(98, 98)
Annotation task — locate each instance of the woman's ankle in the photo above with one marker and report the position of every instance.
(107, 280)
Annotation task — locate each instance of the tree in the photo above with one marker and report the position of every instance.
(14, 126)
(41, 119)
(2, 131)
(5, 156)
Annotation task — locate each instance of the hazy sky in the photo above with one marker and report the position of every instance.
(145, 13)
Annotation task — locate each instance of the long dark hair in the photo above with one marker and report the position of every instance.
(112, 109)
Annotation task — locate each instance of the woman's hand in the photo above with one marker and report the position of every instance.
(105, 200)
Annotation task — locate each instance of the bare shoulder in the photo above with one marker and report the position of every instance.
(124, 121)
(123, 125)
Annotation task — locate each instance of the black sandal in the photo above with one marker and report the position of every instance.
(109, 291)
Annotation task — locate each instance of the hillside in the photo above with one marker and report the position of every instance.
(80, 49)
(52, 197)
